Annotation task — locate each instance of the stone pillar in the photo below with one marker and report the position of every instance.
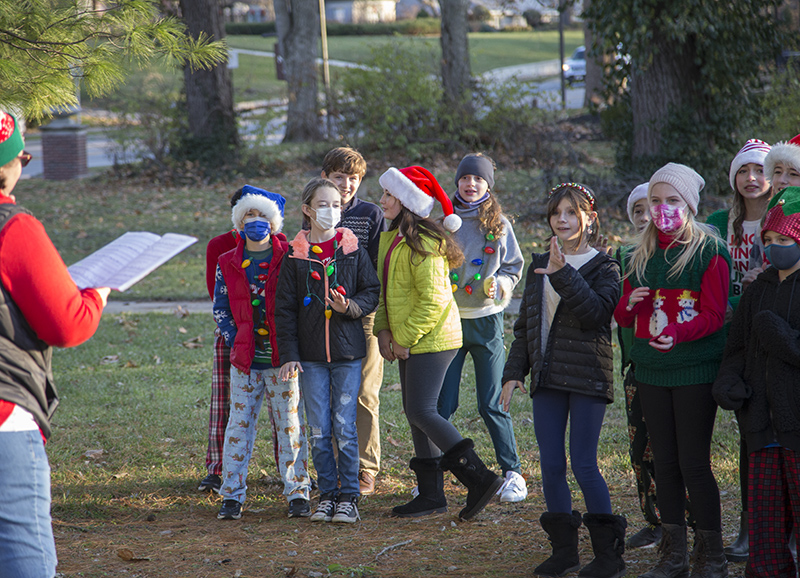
(64, 149)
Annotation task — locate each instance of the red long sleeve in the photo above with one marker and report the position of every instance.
(216, 247)
(36, 278)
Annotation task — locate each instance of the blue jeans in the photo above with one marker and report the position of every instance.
(483, 339)
(27, 547)
(551, 409)
(330, 392)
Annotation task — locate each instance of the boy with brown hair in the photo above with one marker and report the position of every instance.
(346, 167)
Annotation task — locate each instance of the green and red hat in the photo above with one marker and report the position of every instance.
(11, 143)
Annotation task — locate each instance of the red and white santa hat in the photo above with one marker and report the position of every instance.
(416, 189)
(787, 153)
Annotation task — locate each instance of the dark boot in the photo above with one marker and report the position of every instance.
(481, 483)
(673, 558)
(430, 482)
(740, 549)
(562, 531)
(607, 532)
(708, 559)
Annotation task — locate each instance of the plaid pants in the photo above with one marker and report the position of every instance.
(774, 505)
(640, 451)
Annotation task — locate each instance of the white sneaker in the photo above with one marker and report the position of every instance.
(514, 490)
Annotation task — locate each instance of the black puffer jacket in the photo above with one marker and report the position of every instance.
(304, 333)
(578, 357)
(760, 372)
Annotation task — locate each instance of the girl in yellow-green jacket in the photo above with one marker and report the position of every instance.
(417, 323)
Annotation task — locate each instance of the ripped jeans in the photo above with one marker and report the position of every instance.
(330, 392)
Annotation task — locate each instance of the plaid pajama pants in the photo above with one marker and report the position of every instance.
(774, 505)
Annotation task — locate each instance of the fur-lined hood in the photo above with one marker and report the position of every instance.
(301, 247)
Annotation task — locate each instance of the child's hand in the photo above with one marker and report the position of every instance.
(557, 260)
(289, 370)
(637, 296)
(508, 392)
(385, 345)
(337, 301)
(400, 352)
(490, 287)
(662, 342)
(603, 246)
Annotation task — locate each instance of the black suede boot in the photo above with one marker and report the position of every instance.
(562, 531)
(481, 482)
(740, 549)
(673, 561)
(430, 482)
(708, 559)
(607, 532)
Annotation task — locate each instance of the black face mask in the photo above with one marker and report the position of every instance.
(783, 257)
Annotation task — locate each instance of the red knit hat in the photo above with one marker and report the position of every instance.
(416, 189)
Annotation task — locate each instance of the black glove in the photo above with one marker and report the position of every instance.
(730, 392)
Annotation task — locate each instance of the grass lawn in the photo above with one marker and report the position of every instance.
(255, 79)
(130, 434)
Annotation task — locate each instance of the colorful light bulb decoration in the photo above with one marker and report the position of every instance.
(468, 289)
(477, 262)
(489, 237)
(488, 250)
(329, 270)
(316, 248)
(316, 275)
(264, 264)
(341, 290)
(262, 331)
(477, 276)
(306, 300)
(454, 276)
(454, 287)
(256, 302)
(262, 277)
(328, 313)
(246, 263)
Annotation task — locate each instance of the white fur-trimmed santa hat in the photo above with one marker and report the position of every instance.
(787, 153)
(416, 189)
(753, 151)
(269, 204)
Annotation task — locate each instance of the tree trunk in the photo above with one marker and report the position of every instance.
(297, 23)
(455, 52)
(594, 68)
(209, 93)
(666, 84)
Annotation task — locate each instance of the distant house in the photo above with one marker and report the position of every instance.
(359, 11)
(409, 9)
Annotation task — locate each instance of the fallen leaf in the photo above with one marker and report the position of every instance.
(392, 387)
(392, 441)
(93, 454)
(129, 556)
(194, 342)
(131, 364)
(107, 359)
(182, 330)
(180, 312)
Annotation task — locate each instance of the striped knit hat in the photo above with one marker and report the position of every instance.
(753, 151)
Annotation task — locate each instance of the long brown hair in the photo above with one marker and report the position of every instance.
(413, 228)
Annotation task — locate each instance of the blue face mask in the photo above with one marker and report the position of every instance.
(257, 229)
(783, 257)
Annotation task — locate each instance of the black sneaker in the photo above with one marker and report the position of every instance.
(211, 483)
(299, 508)
(647, 537)
(347, 510)
(230, 510)
(325, 509)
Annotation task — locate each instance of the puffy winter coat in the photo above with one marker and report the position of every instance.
(237, 288)
(760, 372)
(417, 302)
(305, 333)
(578, 356)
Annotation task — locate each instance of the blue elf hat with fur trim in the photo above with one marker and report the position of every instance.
(269, 204)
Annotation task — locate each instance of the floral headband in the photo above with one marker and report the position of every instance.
(577, 187)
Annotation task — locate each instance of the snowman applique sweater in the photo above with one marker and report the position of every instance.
(689, 307)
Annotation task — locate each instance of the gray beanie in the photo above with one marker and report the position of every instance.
(477, 165)
(685, 180)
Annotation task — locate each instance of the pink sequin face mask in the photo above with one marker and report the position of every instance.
(668, 218)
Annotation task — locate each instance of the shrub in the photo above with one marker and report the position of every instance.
(418, 27)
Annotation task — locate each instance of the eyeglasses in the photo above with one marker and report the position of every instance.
(24, 158)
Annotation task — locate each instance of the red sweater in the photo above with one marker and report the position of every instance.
(216, 247)
(36, 278)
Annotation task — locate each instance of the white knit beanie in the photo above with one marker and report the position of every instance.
(753, 151)
(685, 180)
(637, 194)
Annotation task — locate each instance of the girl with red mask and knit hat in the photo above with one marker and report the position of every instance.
(740, 228)
(675, 295)
(759, 378)
(417, 323)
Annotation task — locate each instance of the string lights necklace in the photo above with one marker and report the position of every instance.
(477, 262)
(331, 272)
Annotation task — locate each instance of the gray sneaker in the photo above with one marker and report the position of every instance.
(347, 510)
(325, 509)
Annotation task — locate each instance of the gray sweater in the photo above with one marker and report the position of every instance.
(505, 264)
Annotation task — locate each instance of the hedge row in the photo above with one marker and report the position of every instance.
(417, 27)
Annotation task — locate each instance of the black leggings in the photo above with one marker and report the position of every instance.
(680, 421)
(421, 378)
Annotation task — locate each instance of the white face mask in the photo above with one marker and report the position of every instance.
(328, 217)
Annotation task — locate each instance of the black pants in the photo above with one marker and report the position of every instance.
(680, 421)
(421, 378)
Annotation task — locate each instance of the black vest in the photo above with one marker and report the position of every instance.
(26, 376)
